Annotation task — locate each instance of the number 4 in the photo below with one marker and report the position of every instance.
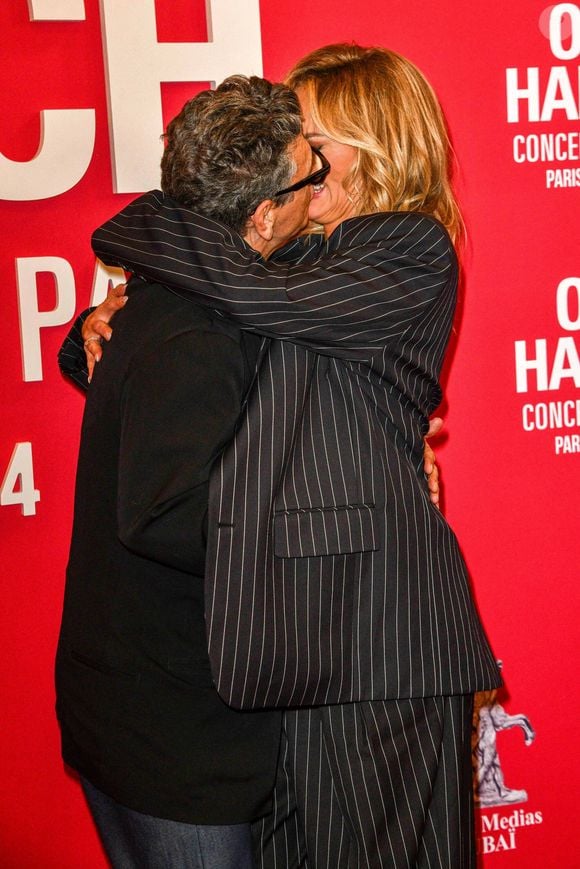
(18, 482)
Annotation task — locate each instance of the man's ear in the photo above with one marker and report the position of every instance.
(262, 221)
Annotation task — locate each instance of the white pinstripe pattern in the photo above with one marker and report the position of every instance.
(374, 785)
(331, 577)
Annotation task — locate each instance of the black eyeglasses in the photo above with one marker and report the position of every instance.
(314, 178)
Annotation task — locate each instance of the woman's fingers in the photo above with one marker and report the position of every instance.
(96, 327)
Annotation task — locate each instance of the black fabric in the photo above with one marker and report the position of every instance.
(382, 608)
(139, 714)
(71, 357)
(373, 785)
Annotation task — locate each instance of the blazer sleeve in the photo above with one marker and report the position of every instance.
(376, 278)
(71, 356)
(174, 425)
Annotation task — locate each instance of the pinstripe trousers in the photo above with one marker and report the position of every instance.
(373, 785)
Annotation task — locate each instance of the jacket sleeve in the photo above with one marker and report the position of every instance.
(71, 356)
(174, 425)
(373, 280)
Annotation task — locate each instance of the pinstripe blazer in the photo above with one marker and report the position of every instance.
(330, 577)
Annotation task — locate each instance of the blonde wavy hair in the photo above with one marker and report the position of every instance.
(379, 102)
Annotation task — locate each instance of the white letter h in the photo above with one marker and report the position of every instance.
(137, 63)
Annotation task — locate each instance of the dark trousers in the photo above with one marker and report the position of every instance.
(136, 841)
(373, 785)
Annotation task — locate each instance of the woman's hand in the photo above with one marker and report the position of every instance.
(96, 328)
(430, 461)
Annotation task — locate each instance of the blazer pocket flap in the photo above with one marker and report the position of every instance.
(325, 531)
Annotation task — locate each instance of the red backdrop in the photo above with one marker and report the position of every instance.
(511, 453)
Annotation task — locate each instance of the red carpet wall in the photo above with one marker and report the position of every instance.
(86, 89)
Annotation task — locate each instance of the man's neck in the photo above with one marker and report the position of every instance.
(264, 247)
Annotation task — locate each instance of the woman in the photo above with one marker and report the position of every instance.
(383, 132)
(387, 647)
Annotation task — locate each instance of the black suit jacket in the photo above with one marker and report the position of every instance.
(139, 715)
(330, 575)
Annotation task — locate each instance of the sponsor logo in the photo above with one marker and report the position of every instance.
(498, 830)
(542, 95)
(548, 366)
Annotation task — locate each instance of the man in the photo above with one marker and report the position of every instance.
(173, 776)
(292, 384)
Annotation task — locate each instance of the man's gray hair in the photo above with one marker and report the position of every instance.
(227, 150)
